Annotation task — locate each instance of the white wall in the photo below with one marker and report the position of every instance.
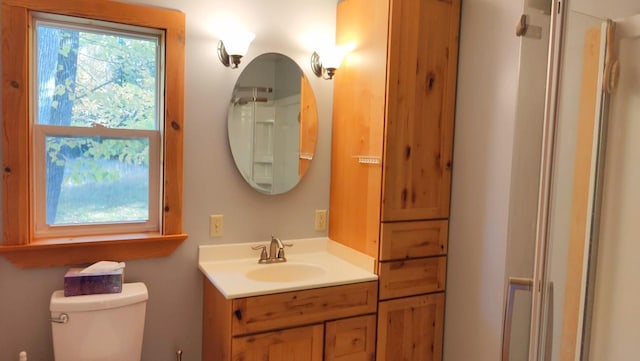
(612, 9)
(485, 118)
(211, 184)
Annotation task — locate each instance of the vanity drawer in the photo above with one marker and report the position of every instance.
(402, 240)
(412, 277)
(281, 310)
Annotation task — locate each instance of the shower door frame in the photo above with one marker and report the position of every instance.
(558, 22)
(627, 27)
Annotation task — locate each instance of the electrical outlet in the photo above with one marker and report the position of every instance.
(321, 220)
(216, 225)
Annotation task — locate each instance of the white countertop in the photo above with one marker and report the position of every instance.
(227, 265)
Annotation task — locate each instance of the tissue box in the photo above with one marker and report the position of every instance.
(76, 283)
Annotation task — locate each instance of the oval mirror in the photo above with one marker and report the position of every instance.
(272, 123)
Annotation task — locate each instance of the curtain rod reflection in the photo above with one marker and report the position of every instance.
(246, 100)
(261, 89)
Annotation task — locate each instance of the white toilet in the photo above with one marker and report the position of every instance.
(106, 327)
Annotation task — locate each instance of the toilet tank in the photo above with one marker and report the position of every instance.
(106, 327)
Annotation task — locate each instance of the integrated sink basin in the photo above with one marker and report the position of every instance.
(311, 263)
(285, 272)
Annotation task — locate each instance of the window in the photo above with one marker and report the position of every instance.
(92, 114)
(96, 135)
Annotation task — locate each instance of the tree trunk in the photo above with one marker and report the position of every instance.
(60, 110)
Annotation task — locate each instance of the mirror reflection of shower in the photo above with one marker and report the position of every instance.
(272, 124)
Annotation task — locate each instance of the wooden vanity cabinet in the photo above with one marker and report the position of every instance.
(331, 323)
(391, 159)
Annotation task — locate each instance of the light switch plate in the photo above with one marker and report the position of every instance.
(216, 225)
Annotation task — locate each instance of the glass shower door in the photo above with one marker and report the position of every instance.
(615, 312)
(534, 31)
(591, 312)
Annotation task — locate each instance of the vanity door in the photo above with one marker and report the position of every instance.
(350, 339)
(294, 344)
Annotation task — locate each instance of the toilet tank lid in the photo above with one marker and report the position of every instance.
(131, 293)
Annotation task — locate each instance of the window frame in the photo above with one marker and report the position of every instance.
(38, 181)
(19, 244)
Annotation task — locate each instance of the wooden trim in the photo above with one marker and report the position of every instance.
(174, 125)
(55, 253)
(17, 227)
(15, 94)
(449, 103)
(582, 176)
(107, 10)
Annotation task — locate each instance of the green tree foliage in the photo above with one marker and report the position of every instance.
(116, 84)
(93, 79)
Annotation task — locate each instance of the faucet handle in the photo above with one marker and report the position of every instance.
(281, 250)
(263, 254)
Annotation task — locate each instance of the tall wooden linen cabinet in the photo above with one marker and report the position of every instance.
(393, 114)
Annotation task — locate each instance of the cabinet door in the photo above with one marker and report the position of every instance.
(351, 339)
(411, 328)
(294, 344)
(421, 82)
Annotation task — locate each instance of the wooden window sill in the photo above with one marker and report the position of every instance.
(82, 250)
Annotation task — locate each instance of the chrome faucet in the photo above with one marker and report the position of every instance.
(276, 246)
(276, 251)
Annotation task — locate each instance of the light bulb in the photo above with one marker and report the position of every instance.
(237, 43)
(332, 57)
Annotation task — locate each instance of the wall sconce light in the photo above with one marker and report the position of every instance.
(326, 67)
(233, 47)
